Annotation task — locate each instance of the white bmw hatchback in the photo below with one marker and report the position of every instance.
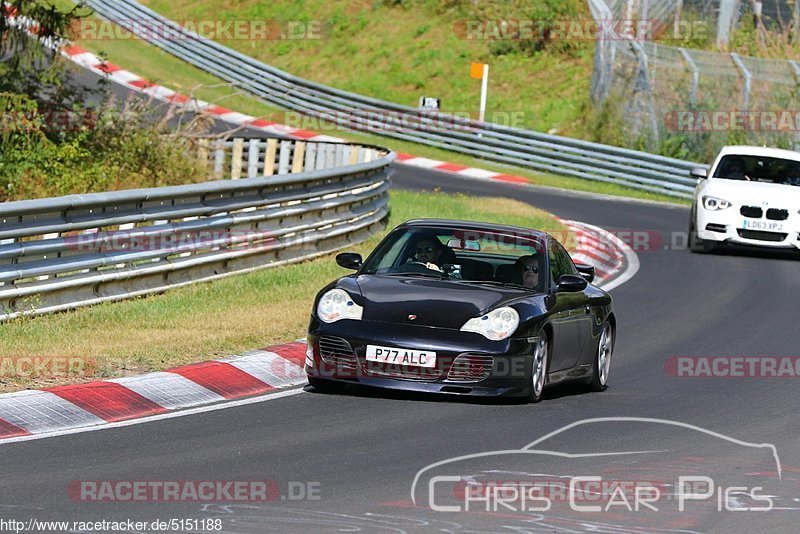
(751, 196)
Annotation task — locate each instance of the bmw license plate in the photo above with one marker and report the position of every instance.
(398, 356)
(766, 226)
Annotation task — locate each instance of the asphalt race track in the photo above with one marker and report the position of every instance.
(358, 453)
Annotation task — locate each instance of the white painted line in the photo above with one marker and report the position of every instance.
(43, 412)
(169, 390)
(159, 417)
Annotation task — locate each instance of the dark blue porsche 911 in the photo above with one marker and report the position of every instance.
(464, 308)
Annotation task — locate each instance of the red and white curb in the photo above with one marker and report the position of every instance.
(51, 410)
(614, 261)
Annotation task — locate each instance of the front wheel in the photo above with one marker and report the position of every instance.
(539, 368)
(602, 361)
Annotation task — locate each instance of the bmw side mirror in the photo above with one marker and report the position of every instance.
(570, 283)
(349, 260)
(587, 271)
(699, 172)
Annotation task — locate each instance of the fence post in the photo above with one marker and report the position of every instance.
(269, 156)
(252, 158)
(311, 157)
(695, 75)
(747, 79)
(219, 159)
(283, 159)
(297, 157)
(236, 158)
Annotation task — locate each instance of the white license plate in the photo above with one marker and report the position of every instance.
(766, 226)
(398, 356)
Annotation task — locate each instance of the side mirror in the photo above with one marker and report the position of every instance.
(699, 172)
(349, 260)
(587, 271)
(569, 283)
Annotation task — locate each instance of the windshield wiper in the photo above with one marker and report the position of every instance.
(493, 283)
(433, 274)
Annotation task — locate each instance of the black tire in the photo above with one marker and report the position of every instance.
(326, 386)
(540, 357)
(602, 358)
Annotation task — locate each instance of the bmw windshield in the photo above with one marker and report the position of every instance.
(759, 169)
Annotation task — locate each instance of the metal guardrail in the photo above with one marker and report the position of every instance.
(65, 252)
(493, 142)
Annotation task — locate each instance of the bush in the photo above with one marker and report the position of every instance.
(98, 151)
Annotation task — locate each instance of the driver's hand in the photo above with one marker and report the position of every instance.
(433, 267)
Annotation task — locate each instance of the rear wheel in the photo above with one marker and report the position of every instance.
(326, 386)
(539, 367)
(602, 360)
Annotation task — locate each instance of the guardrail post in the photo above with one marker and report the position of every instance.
(321, 149)
(297, 157)
(269, 157)
(236, 158)
(252, 158)
(219, 159)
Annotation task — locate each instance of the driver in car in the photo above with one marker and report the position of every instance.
(428, 251)
(529, 266)
(735, 170)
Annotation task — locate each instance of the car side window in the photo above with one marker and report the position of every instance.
(565, 261)
(560, 262)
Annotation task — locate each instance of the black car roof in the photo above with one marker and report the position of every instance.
(472, 225)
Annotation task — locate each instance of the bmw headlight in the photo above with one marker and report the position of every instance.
(715, 204)
(337, 304)
(496, 325)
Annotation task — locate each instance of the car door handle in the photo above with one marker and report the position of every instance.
(588, 310)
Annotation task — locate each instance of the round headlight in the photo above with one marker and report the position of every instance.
(715, 204)
(496, 325)
(337, 304)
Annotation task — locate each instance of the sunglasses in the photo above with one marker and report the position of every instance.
(424, 249)
(530, 269)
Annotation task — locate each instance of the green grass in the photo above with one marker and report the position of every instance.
(221, 318)
(553, 91)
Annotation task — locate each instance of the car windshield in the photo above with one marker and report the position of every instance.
(465, 255)
(759, 169)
